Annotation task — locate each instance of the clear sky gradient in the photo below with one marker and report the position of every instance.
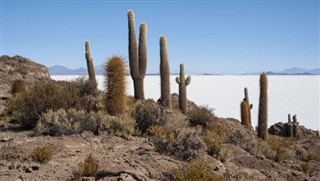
(207, 36)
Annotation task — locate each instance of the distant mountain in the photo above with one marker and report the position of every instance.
(61, 70)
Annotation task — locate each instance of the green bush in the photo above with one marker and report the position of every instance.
(61, 122)
(149, 113)
(86, 87)
(195, 171)
(42, 154)
(202, 115)
(41, 97)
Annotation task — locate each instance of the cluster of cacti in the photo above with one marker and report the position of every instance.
(18, 86)
(293, 126)
(137, 56)
(183, 83)
(263, 108)
(90, 67)
(245, 108)
(116, 86)
(164, 74)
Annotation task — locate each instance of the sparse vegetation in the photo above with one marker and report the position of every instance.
(181, 144)
(18, 87)
(88, 168)
(194, 171)
(42, 154)
(62, 122)
(41, 97)
(148, 113)
(202, 116)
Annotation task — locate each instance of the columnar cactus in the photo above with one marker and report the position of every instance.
(250, 106)
(137, 57)
(183, 83)
(115, 81)
(164, 74)
(295, 126)
(245, 117)
(290, 126)
(92, 76)
(263, 108)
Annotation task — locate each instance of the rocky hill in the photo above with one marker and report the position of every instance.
(148, 142)
(18, 68)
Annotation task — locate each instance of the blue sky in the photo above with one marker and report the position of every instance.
(207, 36)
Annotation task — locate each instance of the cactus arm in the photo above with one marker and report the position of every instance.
(133, 54)
(143, 50)
(188, 80)
(178, 80)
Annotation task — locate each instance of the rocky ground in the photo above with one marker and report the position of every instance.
(242, 155)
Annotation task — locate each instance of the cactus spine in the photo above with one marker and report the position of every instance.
(245, 117)
(116, 86)
(92, 76)
(137, 57)
(164, 74)
(183, 83)
(263, 108)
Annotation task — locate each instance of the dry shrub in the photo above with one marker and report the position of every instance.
(61, 122)
(236, 138)
(213, 143)
(88, 168)
(43, 96)
(120, 126)
(18, 86)
(202, 115)
(149, 113)
(305, 168)
(182, 144)
(194, 171)
(86, 87)
(42, 154)
(311, 155)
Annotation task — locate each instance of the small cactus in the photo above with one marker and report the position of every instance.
(244, 109)
(90, 67)
(18, 86)
(115, 79)
(183, 83)
(290, 126)
(164, 74)
(263, 108)
(295, 126)
(137, 57)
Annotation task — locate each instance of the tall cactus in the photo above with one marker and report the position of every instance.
(116, 86)
(164, 74)
(92, 75)
(183, 83)
(245, 117)
(263, 108)
(250, 106)
(137, 57)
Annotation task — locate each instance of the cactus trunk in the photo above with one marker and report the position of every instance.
(263, 108)
(137, 57)
(246, 98)
(183, 83)
(164, 73)
(245, 116)
(90, 67)
(116, 86)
